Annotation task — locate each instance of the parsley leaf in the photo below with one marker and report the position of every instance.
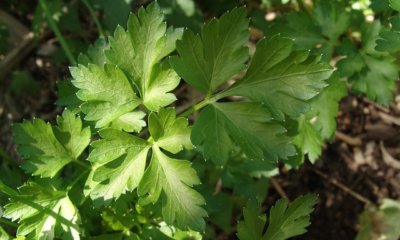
(247, 125)
(285, 220)
(253, 225)
(119, 161)
(215, 56)
(43, 212)
(368, 70)
(174, 178)
(48, 149)
(281, 79)
(106, 93)
(138, 52)
(318, 30)
(170, 133)
(325, 107)
(389, 41)
(308, 139)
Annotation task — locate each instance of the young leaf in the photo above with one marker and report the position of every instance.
(106, 93)
(170, 133)
(285, 221)
(328, 20)
(369, 71)
(174, 178)
(48, 149)
(325, 107)
(281, 79)
(389, 41)
(215, 56)
(130, 122)
(253, 225)
(41, 211)
(138, 52)
(395, 4)
(95, 54)
(246, 124)
(119, 161)
(308, 139)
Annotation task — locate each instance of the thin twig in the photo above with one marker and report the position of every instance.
(353, 141)
(95, 19)
(279, 189)
(53, 26)
(343, 187)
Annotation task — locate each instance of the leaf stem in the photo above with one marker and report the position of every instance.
(95, 18)
(57, 32)
(76, 180)
(82, 164)
(8, 222)
(197, 107)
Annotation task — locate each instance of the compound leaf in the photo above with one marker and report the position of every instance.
(174, 178)
(246, 124)
(215, 56)
(48, 149)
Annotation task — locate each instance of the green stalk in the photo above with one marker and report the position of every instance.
(95, 19)
(196, 107)
(82, 164)
(76, 180)
(8, 222)
(57, 32)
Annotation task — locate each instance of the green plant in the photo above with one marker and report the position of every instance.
(121, 164)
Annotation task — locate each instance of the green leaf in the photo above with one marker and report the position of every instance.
(332, 18)
(119, 161)
(320, 123)
(389, 41)
(215, 56)
(246, 124)
(138, 52)
(130, 122)
(325, 107)
(286, 221)
(174, 178)
(395, 4)
(318, 30)
(43, 212)
(253, 224)
(170, 133)
(369, 71)
(281, 79)
(106, 93)
(48, 149)
(95, 53)
(308, 139)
